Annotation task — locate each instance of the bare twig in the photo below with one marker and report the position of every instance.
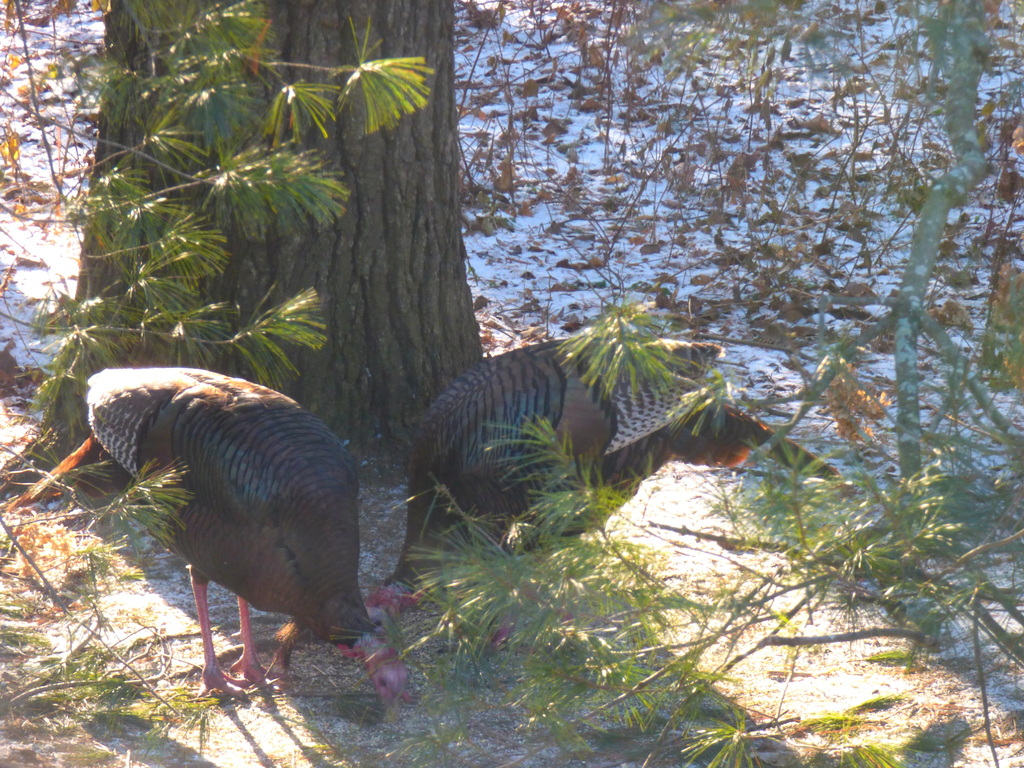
(730, 543)
(982, 548)
(918, 638)
(979, 665)
(59, 601)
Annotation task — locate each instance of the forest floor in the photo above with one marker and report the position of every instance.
(726, 201)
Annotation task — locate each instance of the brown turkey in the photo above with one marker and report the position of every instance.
(272, 514)
(472, 449)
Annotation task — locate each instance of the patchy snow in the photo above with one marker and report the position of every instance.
(597, 177)
(46, 140)
(731, 201)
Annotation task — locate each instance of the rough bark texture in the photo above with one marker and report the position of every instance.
(390, 273)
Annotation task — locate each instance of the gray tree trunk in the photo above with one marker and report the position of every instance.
(964, 55)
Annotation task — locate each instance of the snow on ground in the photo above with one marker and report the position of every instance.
(46, 140)
(728, 199)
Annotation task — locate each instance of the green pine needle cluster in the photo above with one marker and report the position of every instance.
(599, 636)
(623, 345)
(390, 88)
(219, 131)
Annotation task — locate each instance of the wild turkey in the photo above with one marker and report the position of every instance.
(470, 450)
(273, 512)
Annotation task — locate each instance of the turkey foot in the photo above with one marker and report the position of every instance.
(215, 682)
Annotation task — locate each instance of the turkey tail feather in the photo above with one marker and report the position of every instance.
(96, 483)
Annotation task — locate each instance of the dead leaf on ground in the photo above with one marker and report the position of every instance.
(506, 178)
(954, 314)
(1009, 183)
(5, 281)
(858, 290)
(555, 128)
(739, 170)
(682, 175)
(818, 124)
(663, 300)
(1018, 140)
(793, 311)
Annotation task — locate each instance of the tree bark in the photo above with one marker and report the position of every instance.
(390, 273)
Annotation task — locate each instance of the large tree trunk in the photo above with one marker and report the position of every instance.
(390, 273)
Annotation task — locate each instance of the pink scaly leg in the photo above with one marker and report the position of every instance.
(248, 666)
(215, 682)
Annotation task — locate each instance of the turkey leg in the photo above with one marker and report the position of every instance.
(215, 682)
(248, 665)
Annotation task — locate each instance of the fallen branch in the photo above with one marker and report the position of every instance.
(730, 543)
(918, 638)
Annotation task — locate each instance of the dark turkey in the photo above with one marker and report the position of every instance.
(272, 514)
(473, 448)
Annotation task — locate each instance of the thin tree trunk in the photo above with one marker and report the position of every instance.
(965, 52)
